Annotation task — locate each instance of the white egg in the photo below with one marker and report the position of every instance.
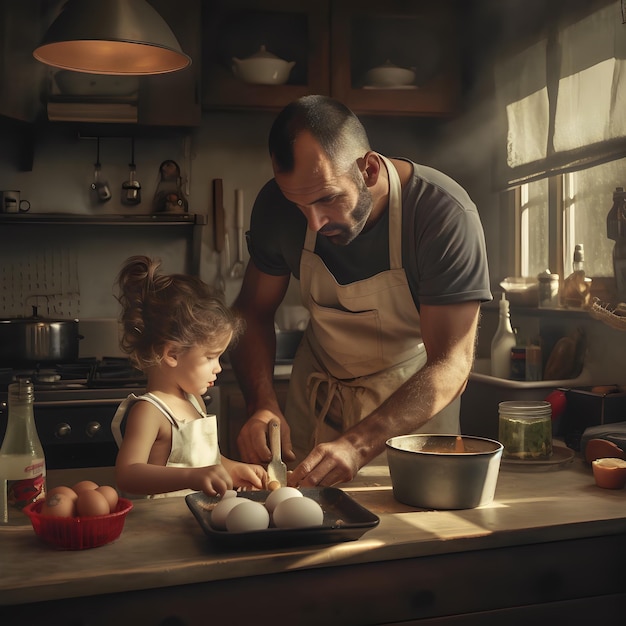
(298, 513)
(247, 516)
(221, 511)
(279, 495)
(229, 493)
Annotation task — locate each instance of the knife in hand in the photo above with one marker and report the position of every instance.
(276, 469)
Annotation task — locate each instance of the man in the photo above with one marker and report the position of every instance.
(392, 267)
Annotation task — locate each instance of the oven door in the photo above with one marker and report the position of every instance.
(74, 433)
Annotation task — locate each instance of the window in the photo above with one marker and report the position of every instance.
(583, 203)
(562, 97)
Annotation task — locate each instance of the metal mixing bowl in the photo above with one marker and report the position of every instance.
(430, 471)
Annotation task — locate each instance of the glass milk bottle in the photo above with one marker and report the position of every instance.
(22, 462)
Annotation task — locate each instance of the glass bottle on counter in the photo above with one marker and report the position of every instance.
(577, 287)
(22, 461)
(502, 343)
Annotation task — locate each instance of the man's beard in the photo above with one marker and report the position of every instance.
(358, 215)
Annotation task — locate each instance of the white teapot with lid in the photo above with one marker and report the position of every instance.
(262, 68)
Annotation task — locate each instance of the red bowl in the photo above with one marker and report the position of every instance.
(78, 533)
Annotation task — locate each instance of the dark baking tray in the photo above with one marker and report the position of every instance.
(344, 520)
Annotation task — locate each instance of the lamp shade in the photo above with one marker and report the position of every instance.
(119, 37)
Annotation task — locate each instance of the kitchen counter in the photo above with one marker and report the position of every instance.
(550, 539)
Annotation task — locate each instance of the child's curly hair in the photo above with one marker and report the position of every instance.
(168, 308)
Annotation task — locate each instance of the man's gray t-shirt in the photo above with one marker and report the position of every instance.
(443, 244)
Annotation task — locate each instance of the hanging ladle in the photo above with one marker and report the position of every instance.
(100, 187)
(238, 268)
(131, 189)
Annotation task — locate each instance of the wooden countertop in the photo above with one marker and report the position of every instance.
(162, 545)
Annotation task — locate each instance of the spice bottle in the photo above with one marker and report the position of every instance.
(548, 289)
(502, 343)
(525, 429)
(22, 461)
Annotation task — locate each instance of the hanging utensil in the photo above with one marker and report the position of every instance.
(131, 189)
(219, 232)
(100, 187)
(238, 268)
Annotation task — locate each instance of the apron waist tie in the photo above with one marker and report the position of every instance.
(314, 381)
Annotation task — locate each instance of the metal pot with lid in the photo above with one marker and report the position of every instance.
(31, 341)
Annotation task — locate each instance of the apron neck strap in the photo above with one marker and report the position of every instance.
(395, 215)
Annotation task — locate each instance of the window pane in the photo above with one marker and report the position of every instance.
(534, 228)
(588, 199)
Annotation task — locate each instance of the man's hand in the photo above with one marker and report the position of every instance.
(328, 464)
(252, 440)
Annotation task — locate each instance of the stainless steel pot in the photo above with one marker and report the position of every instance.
(31, 341)
(443, 471)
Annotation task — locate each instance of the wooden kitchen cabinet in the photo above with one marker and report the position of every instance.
(21, 75)
(421, 35)
(334, 43)
(292, 30)
(174, 99)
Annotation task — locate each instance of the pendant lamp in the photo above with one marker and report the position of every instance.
(119, 37)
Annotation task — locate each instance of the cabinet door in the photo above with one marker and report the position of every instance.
(422, 35)
(292, 30)
(174, 99)
(21, 76)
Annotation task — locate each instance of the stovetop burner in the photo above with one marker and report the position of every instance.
(86, 373)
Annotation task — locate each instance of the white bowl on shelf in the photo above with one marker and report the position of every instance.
(389, 75)
(262, 68)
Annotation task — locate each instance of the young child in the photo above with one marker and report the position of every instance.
(174, 330)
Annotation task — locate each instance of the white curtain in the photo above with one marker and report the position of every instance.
(523, 93)
(590, 96)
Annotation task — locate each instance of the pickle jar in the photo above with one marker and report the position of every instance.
(525, 429)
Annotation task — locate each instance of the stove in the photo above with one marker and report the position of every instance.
(74, 406)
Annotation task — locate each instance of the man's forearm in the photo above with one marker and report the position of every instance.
(418, 399)
(253, 365)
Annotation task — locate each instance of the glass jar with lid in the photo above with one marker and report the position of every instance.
(525, 429)
(548, 289)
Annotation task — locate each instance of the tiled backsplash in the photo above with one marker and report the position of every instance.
(46, 278)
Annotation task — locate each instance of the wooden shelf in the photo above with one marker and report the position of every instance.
(156, 219)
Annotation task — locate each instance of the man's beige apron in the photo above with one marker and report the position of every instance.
(363, 341)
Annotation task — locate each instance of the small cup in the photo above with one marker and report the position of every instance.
(609, 473)
(10, 202)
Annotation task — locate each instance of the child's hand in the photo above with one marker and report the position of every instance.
(246, 475)
(212, 480)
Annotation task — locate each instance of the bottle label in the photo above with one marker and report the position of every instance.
(23, 491)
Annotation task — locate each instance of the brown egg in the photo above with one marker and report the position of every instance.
(110, 494)
(91, 503)
(84, 484)
(58, 505)
(70, 493)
